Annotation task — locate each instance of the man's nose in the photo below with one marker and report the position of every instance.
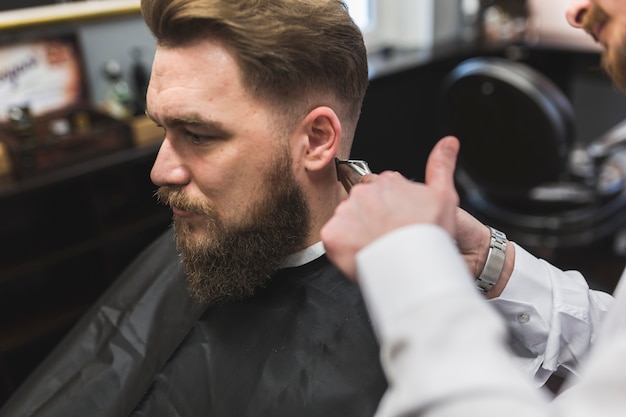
(576, 12)
(168, 168)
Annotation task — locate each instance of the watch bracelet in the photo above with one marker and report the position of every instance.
(495, 261)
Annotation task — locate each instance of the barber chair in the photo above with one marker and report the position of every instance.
(522, 169)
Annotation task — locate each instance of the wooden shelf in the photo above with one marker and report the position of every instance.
(62, 13)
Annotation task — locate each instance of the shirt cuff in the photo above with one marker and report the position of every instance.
(530, 283)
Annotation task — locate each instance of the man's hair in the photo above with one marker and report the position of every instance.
(292, 53)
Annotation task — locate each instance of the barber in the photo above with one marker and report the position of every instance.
(401, 240)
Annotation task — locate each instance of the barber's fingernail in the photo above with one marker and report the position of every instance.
(450, 145)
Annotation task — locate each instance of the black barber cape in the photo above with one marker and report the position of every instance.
(302, 347)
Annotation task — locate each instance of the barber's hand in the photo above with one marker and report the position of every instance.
(472, 239)
(382, 203)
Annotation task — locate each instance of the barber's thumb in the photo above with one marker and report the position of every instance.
(441, 162)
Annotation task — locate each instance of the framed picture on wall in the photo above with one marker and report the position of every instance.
(42, 75)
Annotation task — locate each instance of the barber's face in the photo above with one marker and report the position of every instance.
(605, 20)
(225, 169)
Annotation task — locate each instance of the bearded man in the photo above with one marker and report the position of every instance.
(605, 21)
(256, 99)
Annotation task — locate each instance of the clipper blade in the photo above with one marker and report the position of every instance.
(350, 171)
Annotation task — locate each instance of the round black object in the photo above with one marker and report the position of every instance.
(516, 130)
(514, 124)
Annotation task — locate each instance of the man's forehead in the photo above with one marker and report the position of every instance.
(186, 83)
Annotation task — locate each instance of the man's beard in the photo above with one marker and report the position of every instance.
(230, 262)
(614, 56)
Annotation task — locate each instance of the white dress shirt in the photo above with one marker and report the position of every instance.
(443, 346)
(550, 313)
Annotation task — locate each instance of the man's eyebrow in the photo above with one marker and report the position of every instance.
(177, 121)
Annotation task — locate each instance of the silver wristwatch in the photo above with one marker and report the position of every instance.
(495, 261)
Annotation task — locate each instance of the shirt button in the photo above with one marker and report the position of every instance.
(523, 318)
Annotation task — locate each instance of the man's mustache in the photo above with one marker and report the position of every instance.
(594, 18)
(176, 197)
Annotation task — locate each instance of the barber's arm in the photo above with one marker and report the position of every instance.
(442, 347)
(552, 315)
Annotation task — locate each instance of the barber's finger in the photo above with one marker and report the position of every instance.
(441, 163)
(368, 178)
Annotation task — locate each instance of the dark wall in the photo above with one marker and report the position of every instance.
(20, 4)
(398, 124)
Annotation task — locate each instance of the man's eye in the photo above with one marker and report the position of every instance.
(199, 139)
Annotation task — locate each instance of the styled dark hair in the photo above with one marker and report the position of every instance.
(292, 53)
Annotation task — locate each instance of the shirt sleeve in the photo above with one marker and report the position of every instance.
(442, 346)
(552, 316)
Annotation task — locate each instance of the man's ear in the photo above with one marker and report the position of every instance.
(322, 130)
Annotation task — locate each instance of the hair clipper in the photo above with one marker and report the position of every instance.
(350, 171)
